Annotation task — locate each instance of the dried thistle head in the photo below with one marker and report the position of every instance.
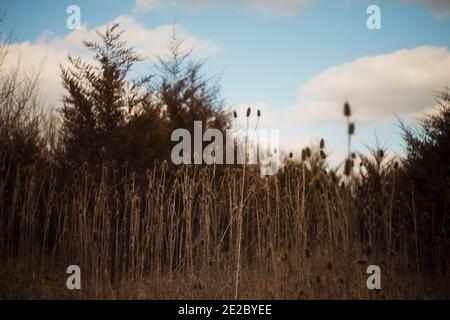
(351, 129)
(304, 155)
(334, 177)
(308, 152)
(347, 110)
(348, 167)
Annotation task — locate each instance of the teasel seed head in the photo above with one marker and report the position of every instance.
(351, 129)
(291, 155)
(304, 155)
(322, 143)
(323, 155)
(347, 110)
(334, 178)
(396, 165)
(348, 167)
(308, 152)
(249, 111)
(259, 113)
(235, 114)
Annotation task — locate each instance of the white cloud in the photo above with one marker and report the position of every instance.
(146, 5)
(277, 7)
(49, 50)
(378, 87)
(440, 8)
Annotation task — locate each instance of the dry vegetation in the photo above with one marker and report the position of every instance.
(210, 232)
(177, 236)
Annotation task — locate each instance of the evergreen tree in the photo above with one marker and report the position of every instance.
(99, 99)
(425, 181)
(185, 93)
(427, 160)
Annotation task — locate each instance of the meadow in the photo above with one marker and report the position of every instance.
(149, 229)
(195, 232)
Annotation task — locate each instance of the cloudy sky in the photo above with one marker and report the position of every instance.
(296, 60)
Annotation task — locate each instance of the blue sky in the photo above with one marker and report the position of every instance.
(276, 56)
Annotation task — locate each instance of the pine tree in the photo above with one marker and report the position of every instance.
(99, 99)
(185, 93)
(426, 180)
(427, 160)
